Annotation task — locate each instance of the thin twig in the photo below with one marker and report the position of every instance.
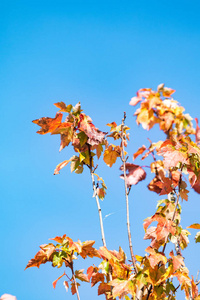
(97, 199)
(126, 195)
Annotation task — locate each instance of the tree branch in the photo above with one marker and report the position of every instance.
(126, 196)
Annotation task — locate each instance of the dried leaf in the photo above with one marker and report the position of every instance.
(134, 175)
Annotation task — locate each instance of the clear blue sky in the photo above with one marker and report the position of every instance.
(99, 53)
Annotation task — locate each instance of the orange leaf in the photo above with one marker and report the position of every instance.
(110, 155)
(41, 256)
(194, 226)
(55, 281)
(139, 151)
(48, 124)
(88, 250)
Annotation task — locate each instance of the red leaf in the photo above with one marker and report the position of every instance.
(135, 174)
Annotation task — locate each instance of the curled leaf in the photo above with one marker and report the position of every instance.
(134, 175)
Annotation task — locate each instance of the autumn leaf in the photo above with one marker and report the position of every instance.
(63, 107)
(177, 261)
(155, 257)
(104, 288)
(119, 288)
(95, 136)
(194, 289)
(171, 156)
(194, 226)
(59, 239)
(165, 185)
(88, 250)
(111, 154)
(60, 166)
(96, 277)
(42, 256)
(55, 281)
(167, 92)
(48, 124)
(134, 175)
(139, 151)
(81, 276)
(73, 287)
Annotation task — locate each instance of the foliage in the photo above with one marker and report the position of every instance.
(151, 276)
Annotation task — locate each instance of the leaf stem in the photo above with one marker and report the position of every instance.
(126, 195)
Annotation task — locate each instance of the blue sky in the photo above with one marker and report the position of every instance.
(99, 53)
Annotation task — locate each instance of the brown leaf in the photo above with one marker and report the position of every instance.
(104, 288)
(48, 124)
(73, 287)
(154, 186)
(96, 277)
(134, 175)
